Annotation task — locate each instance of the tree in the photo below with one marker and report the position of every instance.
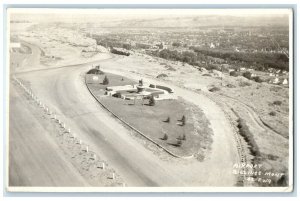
(165, 137)
(179, 143)
(183, 137)
(141, 82)
(282, 181)
(176, 44)
(152, 101)
(167, 120)
(105, 80)
(183, 120)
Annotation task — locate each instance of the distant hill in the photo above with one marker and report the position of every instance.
(203, 21)
(167, 21)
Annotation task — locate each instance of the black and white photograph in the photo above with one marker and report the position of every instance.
(151, 100)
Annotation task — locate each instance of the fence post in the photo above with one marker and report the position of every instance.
(113, 176)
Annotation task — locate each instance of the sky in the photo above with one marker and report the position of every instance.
(94, 15)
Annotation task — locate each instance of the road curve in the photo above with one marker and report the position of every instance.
(64, 91)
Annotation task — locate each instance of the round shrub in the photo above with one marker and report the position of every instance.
(247, 75)
(257, 79)
(214, 89)
(233, 73)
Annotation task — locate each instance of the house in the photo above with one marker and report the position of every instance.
(129, 88)
(130, 92)
(276, 81)
(285, 82)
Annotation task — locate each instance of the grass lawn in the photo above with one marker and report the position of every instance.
(150, 119)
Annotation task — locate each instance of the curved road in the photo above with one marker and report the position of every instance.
(64, 91)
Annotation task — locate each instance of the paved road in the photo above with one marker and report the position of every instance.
(64, 91)
(34, 157)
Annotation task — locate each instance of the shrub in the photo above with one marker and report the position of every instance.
(183, 137)
(244, 84)
(212, 67)
(248, 136)
(95, 71)
(283, 181)
(275, 88)
(247, 75)
(120, 52)
(233, 73)
(257, 79)
(161, 75)
(165, 137)
(179, 143)
(167, 120)
(105, 81)
(183, 120)
(141, 83)
(171, 68)
(151, 101)
(230, 86)
(176, 44)
(272, 113)
(272, 157)
(213, 89)
(277, 102)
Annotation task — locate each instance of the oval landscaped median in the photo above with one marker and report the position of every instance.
(179, 127)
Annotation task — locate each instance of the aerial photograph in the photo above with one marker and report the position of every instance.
(149, 99)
